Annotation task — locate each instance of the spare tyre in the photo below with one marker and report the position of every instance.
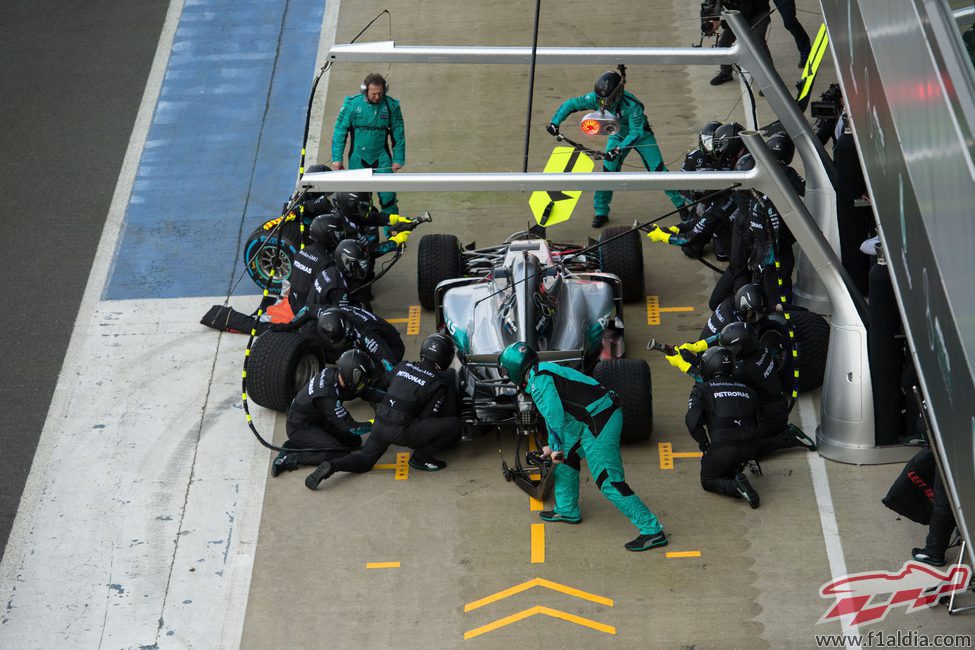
(438, 259)
(622, 255)
(271, 248)
(279, 364)
(630, 378)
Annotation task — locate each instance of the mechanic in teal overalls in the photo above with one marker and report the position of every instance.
(584, 420)
(372, 122)
(635, 133)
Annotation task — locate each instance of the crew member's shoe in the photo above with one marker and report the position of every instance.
(600, 220)
(922, 555)
(746, 490)
(427, 464)
(802, 439)
(284, 462)
(321, 473)
(720, 78)
(647, 542)
(551, 515)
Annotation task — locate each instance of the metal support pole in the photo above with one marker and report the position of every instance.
(846, 432)
(820, 195)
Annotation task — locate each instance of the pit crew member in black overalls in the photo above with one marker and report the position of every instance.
(419, 412)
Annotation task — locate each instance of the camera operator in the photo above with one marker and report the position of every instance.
(755, 13)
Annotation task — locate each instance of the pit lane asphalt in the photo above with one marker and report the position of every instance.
(72, 75)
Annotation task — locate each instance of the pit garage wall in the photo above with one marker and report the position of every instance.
(910, 94)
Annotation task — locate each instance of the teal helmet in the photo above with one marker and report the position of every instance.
(515, 362)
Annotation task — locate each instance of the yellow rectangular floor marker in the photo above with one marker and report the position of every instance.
(535, 505)
(538, 543)
(401, 466)
(667, 455)
(672, 310)
(413, 322)
(653, 310)
(684, 554)
(382, 565)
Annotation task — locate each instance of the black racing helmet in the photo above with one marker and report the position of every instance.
(705, 140)
(354, 206)
(314, 169)
(727, 144)
(352, 259)
(738, 337)
(334, 328)
(609, 88)
(750, 302)
(437, 349)
(328, 230)
(717, 362)
(355, 368)
(782, 148)
(745, 163)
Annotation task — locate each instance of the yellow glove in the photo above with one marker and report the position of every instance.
(395, 219)
(696, 347)
(658, 235)
(677, 361)
(400, 237)
(674, 229)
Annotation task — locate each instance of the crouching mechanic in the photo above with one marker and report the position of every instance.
(418, 411)
(319, 426)
(722, 417)
(345, 326)
(584, 420)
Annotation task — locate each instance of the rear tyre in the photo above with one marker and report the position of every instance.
(270, 248)
(280, 363)
(810, 342)
(630, 378)
(623, 257)
(438, 259)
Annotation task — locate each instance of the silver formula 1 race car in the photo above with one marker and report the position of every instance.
(564, 300)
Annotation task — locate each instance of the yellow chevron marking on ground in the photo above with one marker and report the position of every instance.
(539, 609)
(538, 582)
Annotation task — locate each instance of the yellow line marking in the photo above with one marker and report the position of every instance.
(397, 320)
(684, 554)
(538, 582)
(413, 322)
(538, 543)
(671, 310)
(653, 310)
(534, 505)
(402, 466)
(382, 565)
(667, 455)
(539, 609)
(384, 466)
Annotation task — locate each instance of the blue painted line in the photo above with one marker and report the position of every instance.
(222, 152)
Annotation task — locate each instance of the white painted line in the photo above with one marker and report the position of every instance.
(827, 513)
(330, 22)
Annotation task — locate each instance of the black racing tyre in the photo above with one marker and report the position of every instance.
(280, 363)
(623, 257)
(438, 259)
(811, 342)
(630, 378)
(261, 253)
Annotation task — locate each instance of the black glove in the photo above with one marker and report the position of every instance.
(553, 129)
(613, 154)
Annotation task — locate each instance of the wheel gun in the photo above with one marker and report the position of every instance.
(668, 350)
(410, 225)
